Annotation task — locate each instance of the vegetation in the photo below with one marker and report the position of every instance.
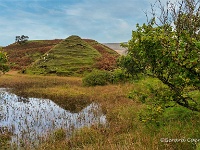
(21, 56)
(108, 58)
(102, 77)
(97, 77)
(74, 56)
(70, 57)
(21, 39)
(4, 67)
(157, 109)
(126, 127)
(170, 52)
(5, 137)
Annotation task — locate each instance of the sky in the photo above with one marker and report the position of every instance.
(106, 21)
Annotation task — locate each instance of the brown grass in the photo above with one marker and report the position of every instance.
(108, 59)
(123, 129)
(67, 92)
(23, 55)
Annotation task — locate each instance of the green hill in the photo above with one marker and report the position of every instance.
(74, 56)
(71, 56)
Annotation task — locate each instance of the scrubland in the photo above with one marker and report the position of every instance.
(177, 128)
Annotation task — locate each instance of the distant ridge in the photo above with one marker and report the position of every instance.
(117, 47)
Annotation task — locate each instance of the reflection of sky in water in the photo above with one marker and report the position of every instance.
(33, 117)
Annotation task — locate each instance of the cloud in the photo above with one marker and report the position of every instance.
(105, 17)
(102, 20)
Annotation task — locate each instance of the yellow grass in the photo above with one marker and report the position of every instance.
(123, 130)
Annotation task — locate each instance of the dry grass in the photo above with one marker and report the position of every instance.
(123, 130)
(61, 89)
(25, 54)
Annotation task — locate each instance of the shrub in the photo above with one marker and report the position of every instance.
(119, 75)
(97, 77)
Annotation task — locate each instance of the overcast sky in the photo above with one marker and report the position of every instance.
(105, 21)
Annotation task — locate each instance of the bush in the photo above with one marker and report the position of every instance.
(119, 75)
(97, 77)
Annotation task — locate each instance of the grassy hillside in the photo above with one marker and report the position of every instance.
(108, 58)
(74, 56)
(23, 55)
(61, 57)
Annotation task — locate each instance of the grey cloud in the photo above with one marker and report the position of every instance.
(102, 20)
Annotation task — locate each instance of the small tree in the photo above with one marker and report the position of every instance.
(4, 67)
(21, 39)
(168, 48)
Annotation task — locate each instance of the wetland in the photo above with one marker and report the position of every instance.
(30, 119)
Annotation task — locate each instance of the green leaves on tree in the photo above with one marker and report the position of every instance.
(4, 67)
(169, 52)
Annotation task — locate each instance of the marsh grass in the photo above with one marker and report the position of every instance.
(124, 130)
(54, 88)
(5, 137)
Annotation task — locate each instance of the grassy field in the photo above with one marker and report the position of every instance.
(124, 129)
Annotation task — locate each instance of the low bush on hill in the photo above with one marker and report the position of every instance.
(102, 77)
(97, 77)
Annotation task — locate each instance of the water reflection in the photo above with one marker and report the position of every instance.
(31, 118)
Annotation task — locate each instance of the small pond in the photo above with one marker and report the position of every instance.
(29, 119)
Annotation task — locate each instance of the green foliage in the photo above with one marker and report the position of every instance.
(102, 77)
(120, 75)
(131, 64)
(170, 54)
(21, 39)
(4, 67)
(97, 77)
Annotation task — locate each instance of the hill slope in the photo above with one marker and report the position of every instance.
(70, 56)
(61, 57)
(74, 56)
(22, 56)
(108, 58)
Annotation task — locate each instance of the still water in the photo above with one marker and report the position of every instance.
(29, 119)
